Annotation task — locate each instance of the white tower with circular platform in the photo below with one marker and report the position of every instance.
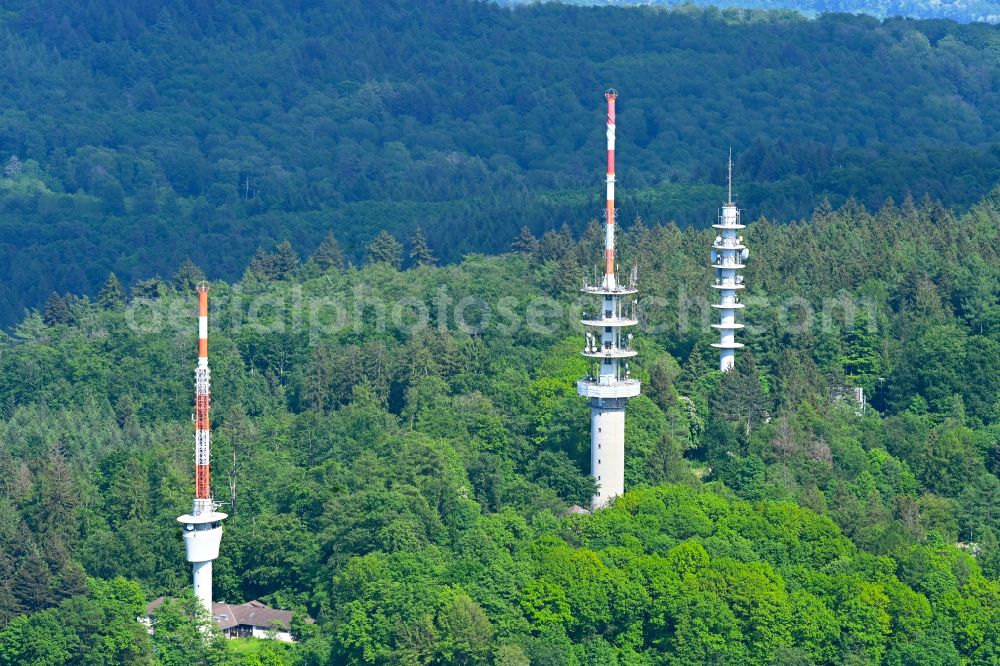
(728, 255)
(609, 387)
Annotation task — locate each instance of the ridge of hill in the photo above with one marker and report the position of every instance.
(145, 132)
(964, 11)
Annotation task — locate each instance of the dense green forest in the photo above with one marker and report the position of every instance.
(404, 479)
(963, 11)
(134, 134)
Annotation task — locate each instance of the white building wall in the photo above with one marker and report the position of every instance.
(265, 633)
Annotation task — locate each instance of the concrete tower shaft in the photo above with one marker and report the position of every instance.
(610, 386)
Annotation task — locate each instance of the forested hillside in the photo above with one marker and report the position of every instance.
(134, 134)
(404, 480)
(963, 11)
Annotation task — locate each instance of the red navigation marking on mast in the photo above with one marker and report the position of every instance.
(609, 240)
(202, 401)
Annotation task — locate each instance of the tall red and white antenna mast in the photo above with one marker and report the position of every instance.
(202, 399)
(203, 526)
(609, 228)
(611, 386)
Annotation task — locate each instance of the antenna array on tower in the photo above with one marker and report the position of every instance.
(728, 255)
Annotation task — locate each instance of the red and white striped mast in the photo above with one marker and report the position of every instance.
(609, 228)
(202, 399)
(203, 526)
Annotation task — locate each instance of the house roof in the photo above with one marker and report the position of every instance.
(255, 613)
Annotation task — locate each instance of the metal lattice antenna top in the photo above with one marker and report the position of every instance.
(730, 200)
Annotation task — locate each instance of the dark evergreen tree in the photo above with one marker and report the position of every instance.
(567, 278)
(526, 243)
(124, 410)
(286, 261)
(740, 397)
(693, 371)
(112, 295)
(10, 605)
(31, 581)
(71, 581)
(148, 289)
(188, 276)
(329, 255)
(56, 311)
(555, 245)
(263, 265)
(666, 462)
(385, 249)
(420, 252)
(58, 498)
(661, 385)
(318, 379)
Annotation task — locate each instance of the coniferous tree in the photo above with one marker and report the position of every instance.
(124, 409)
(661, 385)
(693, 371)
(526, 243)
(31, 582)
(420, 252)
(739, 397)
(329, 255)
(188, 276)
(112, 294)
(57, 495)
(666, 462)
(71, 581)
(568, 277)
(385, 249)
(286, 261)
(56, 311)
(318, 379)
(149, 288)
(591, 244)
(10, 605)
(263, 265)
(556, 244)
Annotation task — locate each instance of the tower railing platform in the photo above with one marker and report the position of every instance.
(603, 290)
(621, 388)
(610, 353)
(610, 321)
(728, 345)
